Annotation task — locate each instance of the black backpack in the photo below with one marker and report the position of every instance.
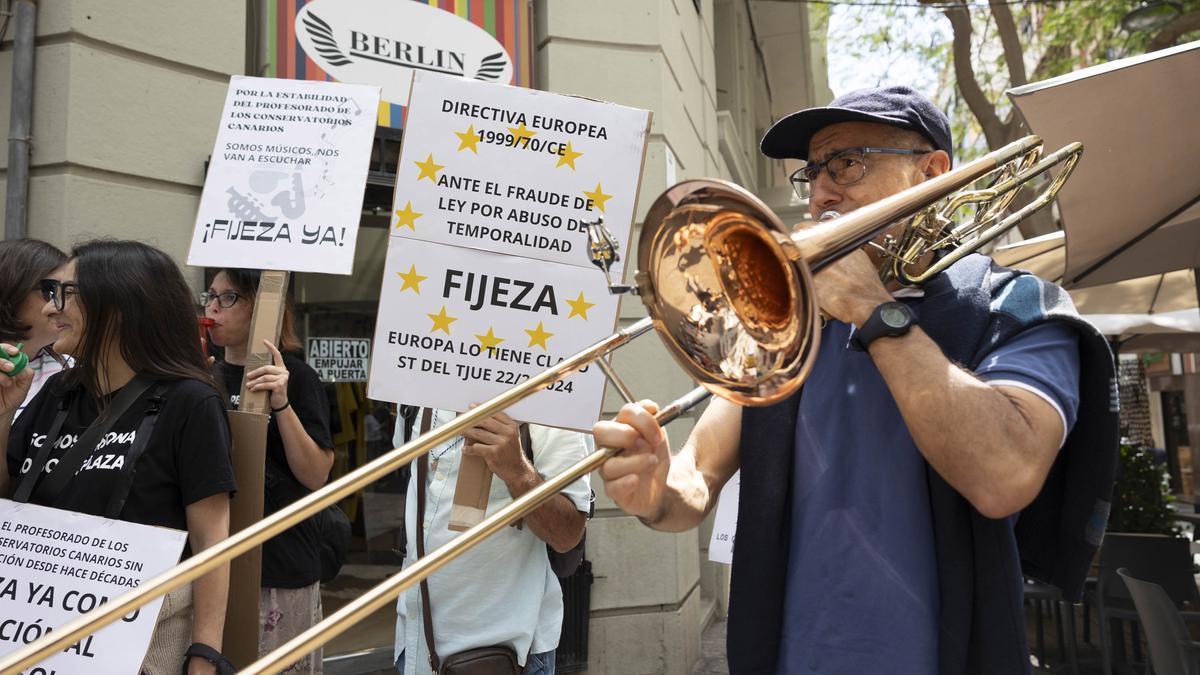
(563, 564)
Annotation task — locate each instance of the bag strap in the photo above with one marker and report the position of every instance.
(422, 477)
(70, 462)
(145, 430)
(30, 479)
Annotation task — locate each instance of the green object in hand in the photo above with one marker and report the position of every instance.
(19, 361)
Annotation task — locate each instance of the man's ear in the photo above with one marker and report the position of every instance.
(936, 163)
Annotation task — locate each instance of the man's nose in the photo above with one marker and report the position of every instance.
(824, 194)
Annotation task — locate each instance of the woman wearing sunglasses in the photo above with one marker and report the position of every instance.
(123, 311)
(299, 455)
(24, 264)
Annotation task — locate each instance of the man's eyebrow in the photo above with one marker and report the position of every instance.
(830, 153)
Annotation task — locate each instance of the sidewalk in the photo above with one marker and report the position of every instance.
(712, 651)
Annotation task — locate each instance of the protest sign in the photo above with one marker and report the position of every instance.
(516, 171)
(461, 326)
(56, 565)
(720, 546)
(339, 359)
(483, 285)
(284, 189)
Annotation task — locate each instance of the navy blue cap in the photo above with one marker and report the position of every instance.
(897, 106)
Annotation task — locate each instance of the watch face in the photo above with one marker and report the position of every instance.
(894, 316)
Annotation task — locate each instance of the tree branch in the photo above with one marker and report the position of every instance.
(964, 73)
(1171, 33)
(1014, 54)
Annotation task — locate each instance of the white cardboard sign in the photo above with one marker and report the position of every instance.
(284, 189)
(516, 171)
(459, 326)
(339, 359)
(720, 546)
(493, 187)
(56, 565)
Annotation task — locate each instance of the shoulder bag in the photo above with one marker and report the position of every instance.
(494, 660)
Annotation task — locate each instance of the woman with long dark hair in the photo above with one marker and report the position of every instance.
(24, 264)
(123, 310)
(299, 455)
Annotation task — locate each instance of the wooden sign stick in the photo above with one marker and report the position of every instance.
(249, 427)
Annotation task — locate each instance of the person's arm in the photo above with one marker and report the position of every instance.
(208, 523)
(668, 493)
(992, 444)
(498, 441)
(308, 461)
(13, 390)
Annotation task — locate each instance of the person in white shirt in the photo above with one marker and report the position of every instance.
(503, 591)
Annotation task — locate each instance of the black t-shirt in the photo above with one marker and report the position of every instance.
(291, 559)
(185, 460)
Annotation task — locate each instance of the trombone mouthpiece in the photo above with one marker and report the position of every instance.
(829, 215)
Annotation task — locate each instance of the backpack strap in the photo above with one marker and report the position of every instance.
(70, 462)
(422, 478)
(120, 493)
(30, 479)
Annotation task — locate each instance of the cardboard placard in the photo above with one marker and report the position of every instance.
(284, 188)
(249, 432)
(487, 279)
(56, 565)
(720, 545)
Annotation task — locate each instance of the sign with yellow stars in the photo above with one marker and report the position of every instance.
(284, 190)
(457, 326)
(487, 280)
(516, 171)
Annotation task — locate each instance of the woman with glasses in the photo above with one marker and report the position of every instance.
(24, 263)
(122, 309)
(299, 455)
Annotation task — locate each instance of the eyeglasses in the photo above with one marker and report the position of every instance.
(224, 300)
(57, 291)
(845, 167)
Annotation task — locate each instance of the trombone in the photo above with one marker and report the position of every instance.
(729, 290)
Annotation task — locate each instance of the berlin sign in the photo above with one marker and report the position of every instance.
(385, 41)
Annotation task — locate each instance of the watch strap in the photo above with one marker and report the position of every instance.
(203, 651)
(875, 327)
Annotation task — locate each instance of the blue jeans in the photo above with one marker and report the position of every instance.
(536, 664)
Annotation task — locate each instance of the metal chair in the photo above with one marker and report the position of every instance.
(1172, 650)
(1063, 612)
(1160, 559)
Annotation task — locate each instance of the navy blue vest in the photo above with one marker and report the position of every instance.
(968, 311)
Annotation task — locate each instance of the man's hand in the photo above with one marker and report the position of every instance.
(637, 478)
(849, 288)
(497, 440)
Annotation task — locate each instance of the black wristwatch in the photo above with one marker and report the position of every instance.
(889, 319)
(203, 651)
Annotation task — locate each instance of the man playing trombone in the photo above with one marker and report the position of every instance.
(878, 522)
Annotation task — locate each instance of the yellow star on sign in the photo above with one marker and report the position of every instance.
(521, 132)
(442, 321)
(406, 217)
(537, 336)
(411, 279)
(568, 157)
(489, 341)
(598, 197)
(429, 169)
(580, 306)
(468, 139)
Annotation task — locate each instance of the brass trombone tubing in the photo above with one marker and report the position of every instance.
(822, 243)
(237, 544)
(386, 592)
(1068, 155)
